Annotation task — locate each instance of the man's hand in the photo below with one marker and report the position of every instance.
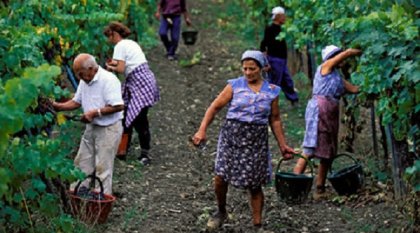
(157, 15)
(88, 116)
(188, 21)
(266, 68)
(55, 105)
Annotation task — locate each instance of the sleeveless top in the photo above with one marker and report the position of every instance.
(249, 106)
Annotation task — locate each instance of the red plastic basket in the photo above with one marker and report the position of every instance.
(88, 210)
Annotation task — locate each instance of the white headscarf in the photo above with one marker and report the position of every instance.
(256, 55)
(329, 51)
(277, 10)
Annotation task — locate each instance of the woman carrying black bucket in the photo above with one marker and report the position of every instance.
(243, 158)
(322, 113)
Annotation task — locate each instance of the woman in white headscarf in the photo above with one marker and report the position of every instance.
(243, 159)
(322, 113)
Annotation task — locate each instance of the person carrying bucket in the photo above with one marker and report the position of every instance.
(169, 13)
(243, 159)
(322, 113)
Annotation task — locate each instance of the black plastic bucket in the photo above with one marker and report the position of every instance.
(293, 188)
(189, 37)
(349, 179)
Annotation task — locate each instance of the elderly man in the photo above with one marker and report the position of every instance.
(99, 94)
(276, 51)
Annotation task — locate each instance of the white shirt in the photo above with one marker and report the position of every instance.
(104, 89)
(131, 53)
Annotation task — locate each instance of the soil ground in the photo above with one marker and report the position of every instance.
(175, 193)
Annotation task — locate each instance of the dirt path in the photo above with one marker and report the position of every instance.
(175, 193)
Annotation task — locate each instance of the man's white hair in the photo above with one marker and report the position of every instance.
(89, 62)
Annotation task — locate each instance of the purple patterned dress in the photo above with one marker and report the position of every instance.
(243, 157)
(322, 115)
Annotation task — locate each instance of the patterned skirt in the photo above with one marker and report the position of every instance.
(243, 158)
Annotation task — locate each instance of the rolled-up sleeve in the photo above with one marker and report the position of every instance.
(112, 93)
(78, 95)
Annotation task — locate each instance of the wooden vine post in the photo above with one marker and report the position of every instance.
(373, 125)
(400, 189)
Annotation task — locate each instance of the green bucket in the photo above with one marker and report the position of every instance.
(293, 188)
(349, 179)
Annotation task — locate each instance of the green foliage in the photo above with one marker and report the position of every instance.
(18, 94)
(141, 19)
(190, 62)
(388, 71)
(36, 39)
(412, 175)
(24, 161)
(386, 33)
(246, 18)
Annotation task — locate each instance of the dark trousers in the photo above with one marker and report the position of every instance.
(141, 124)
(175, 28)
(280, 76)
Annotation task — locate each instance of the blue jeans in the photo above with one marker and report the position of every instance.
(175, 29)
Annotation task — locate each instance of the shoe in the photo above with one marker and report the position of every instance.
(261, 230)
(122, 157)
(216, 220)
(320, 194)
(144, 160)
(172, 57)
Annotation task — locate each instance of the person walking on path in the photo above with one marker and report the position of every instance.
(243, 159)
(169, 13)
(322, 113)
(140, 90)
(276, 51)
(99, 94)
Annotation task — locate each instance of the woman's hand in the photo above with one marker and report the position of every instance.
(287, 152)
(111, 62)
(355, 52)
(198, 138)
(110, 67)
